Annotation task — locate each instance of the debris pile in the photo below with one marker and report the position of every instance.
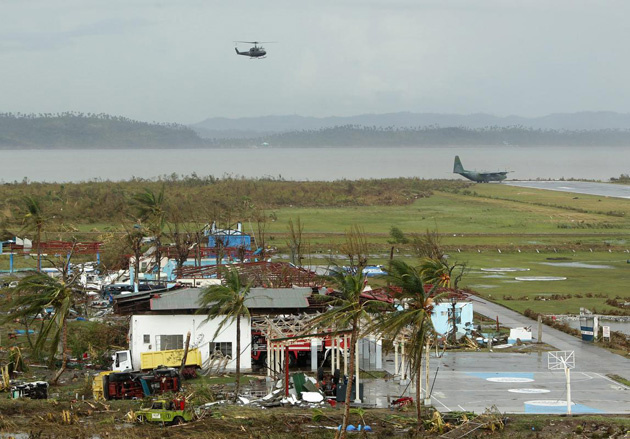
(302, 392)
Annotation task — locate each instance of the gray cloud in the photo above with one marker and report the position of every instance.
(174, 61)
(46, 40)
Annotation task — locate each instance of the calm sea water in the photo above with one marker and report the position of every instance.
(314, 163)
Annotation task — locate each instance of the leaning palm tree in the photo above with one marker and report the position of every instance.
(34, 219)
(227, 302)
(347, 309)
(150, 208)
(37, 293)
(413, 316)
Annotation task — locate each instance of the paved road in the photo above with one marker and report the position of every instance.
(589, 357)
(578, 187)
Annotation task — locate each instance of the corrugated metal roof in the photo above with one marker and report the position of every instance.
(258, 298)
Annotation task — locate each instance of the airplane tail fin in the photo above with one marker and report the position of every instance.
(457, 166)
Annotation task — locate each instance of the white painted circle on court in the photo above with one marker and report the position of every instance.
(509, 380)
(529, 390)
(549, 402)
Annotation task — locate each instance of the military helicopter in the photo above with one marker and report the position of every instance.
(254, 52)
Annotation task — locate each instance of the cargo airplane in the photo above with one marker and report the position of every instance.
(479, 177)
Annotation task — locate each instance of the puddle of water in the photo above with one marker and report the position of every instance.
(529, 390)
(482, 286)
(509, 380)
(505, 269)
(577, 265)
(540, 278)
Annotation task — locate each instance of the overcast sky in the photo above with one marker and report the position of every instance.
(174, 61)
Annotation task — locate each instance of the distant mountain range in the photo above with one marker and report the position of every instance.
(257, 127)
(102, 131)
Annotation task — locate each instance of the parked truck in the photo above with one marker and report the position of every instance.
(146, 361)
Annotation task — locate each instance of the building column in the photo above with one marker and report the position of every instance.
(378, 343)
(345, 354)
(269, 359)
(332, 355)
(338, 342)
(314, 344)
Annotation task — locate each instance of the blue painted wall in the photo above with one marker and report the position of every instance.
(442, 322)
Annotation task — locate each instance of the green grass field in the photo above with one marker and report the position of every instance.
(500, 226)
(586, 285)
(484, 226)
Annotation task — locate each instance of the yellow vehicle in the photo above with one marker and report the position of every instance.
(123, 360)
(166, 412)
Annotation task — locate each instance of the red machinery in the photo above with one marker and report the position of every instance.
(137, 385)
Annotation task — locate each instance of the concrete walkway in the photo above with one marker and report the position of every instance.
(588, 356)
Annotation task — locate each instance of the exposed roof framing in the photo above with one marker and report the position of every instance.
(262, 274)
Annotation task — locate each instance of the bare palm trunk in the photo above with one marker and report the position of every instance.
(39, 251)
(64, 347)
(419, 378)
(346, 409)
(158, 258)
(28, 335)
(419, 392)
(238, 357)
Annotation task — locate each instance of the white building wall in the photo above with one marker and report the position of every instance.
(201, 334)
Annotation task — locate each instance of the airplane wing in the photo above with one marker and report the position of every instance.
(488, 174)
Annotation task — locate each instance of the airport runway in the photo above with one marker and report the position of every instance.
(578, 187)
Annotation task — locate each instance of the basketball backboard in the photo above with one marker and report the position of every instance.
(561, 360)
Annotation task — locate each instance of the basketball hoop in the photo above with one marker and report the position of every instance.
(563, 360)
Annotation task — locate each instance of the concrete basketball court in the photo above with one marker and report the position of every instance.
(514, 382)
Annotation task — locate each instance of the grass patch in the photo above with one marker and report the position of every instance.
(619, 379)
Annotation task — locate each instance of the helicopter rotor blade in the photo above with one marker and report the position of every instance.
(256, 42)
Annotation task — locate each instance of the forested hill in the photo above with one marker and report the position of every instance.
(90, 131)
(100, 131)
(353, 135)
